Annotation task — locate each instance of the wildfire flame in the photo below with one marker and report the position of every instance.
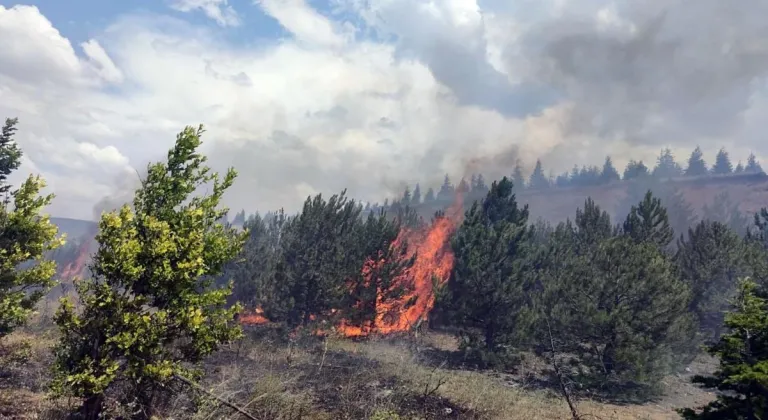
(77, 267)
(254, 318)
(434, 260)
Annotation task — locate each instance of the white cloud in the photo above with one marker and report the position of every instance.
(304, 22)
(331, 107)
(218, 10)
(101, 62)
(33, 51)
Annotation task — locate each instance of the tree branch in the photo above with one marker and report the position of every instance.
(216, 397)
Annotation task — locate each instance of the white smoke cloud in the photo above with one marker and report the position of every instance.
(403, 91)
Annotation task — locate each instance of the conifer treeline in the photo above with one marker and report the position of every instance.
(628, 301)
(666, 167)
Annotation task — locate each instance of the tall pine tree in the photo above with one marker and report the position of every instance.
(319, 257)
(518, 179)
(696, 164)
(722, 164)
(635, 169)
(742, 378)
(648, 222)
(710, 261)
(753, 166)
(609, 173)
(618, 294)
(487, 290)
(666, 167)
(538, 179)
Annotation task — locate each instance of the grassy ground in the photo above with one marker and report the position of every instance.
(342, 379)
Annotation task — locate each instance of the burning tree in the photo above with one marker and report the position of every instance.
(376, 292)
(365, 275)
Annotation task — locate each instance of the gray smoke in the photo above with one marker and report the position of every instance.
(680, 73)
(585, 82)
(122, 194)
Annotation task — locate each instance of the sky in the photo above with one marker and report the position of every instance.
(309, 96)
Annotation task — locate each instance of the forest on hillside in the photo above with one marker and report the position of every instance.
(614, 304)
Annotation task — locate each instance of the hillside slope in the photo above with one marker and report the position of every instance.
(749, 191)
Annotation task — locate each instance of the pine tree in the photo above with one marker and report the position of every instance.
(538, 180)
(379, 283)
(447, 190)
(619, 295)
(575, 176)
(430, 196)
(26, 237)
(563, 180)
(518, 179)
(753, 166)
(743, 352)
(679, 212)
(480, 188)
(710, 261)
(409, 218)
(463, 187)
(590, 175)
(648, 222)
(635, 170)
(255, 269)
(756, 250)
(739, 169)
(10, 154)
(239, 219)
(239, 270)
(666, 167)
(149, 313)
(609, 174)
(486, 292)
(696, 164)
(320, 256)
(726, 211)
(416, 199)
(760, 233)
(593, 225)
(722, 164)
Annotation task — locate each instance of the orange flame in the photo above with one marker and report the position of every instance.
(77, 267)
(434, 259)
(254, 318)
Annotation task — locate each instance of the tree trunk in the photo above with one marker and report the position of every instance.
(92, 407)
(608, 358)
(490, 337)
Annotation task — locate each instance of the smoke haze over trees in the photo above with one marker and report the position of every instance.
(465, 88)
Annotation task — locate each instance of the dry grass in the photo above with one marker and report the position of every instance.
(341, 379)
(23, 380)
(508, 397)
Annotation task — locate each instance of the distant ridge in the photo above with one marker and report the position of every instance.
(74, 228)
